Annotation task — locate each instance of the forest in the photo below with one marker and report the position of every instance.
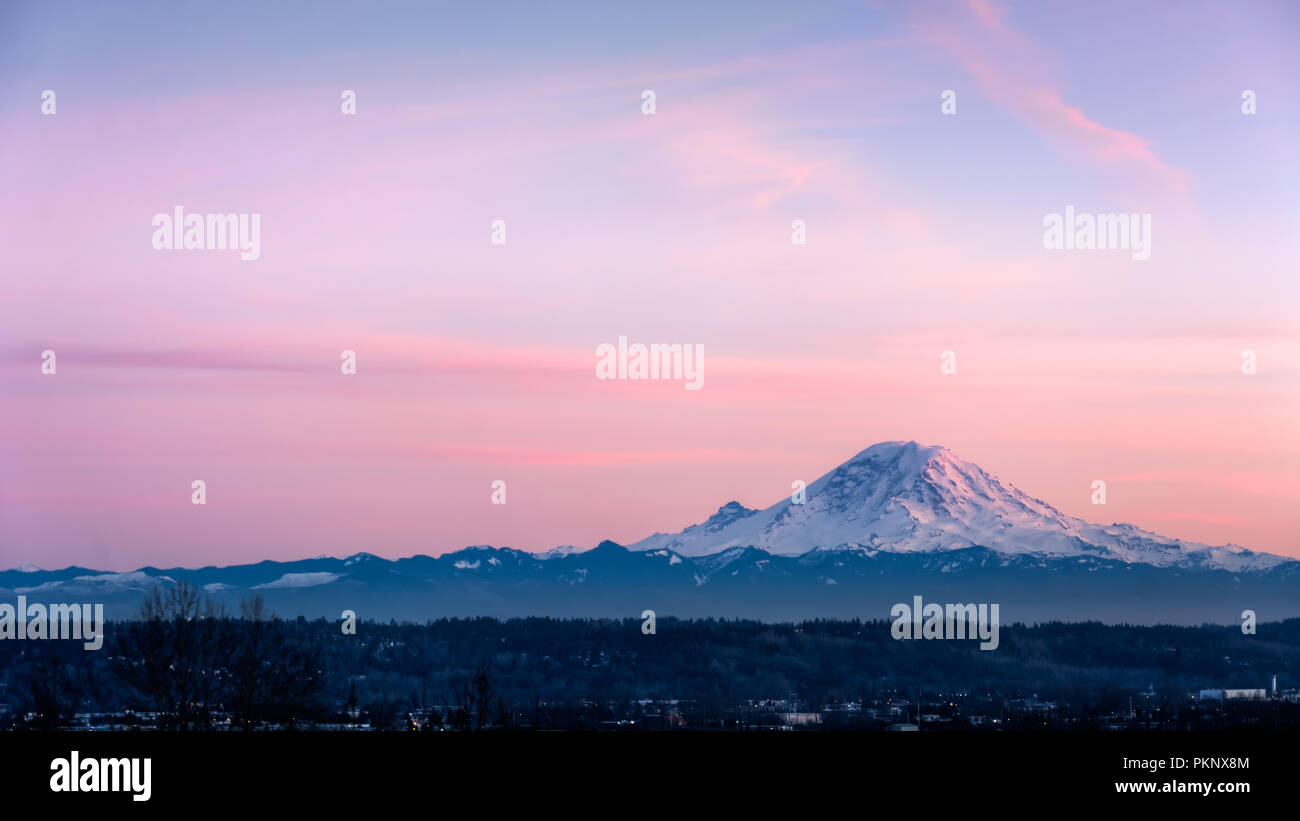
(185, 664)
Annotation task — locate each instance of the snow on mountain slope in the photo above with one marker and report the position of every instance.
(99, 582)
(559, 552)
(905, 497)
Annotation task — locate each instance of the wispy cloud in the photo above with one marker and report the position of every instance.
(1015, 72)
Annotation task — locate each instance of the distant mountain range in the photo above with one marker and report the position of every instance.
(895, 521)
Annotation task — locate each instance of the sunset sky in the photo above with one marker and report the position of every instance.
(476, 361)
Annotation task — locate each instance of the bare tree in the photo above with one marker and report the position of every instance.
(52, 688)
(269, 677)
(474, 699)
(172, 655)
(249, 661)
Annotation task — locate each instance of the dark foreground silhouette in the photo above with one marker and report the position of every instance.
(186, 665)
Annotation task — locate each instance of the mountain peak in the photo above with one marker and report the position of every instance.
(906, 497)
(902, 457)
(729, 513)
(559, 552)
(895, 449)
(733, 506)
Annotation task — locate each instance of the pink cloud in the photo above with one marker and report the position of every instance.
(1015, 73)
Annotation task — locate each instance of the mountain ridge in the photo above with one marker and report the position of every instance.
(611, 580)
(930, 506)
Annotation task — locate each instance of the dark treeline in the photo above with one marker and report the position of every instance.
(186, 665)
(183, 660)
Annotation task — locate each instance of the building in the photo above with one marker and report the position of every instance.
(1232, 695)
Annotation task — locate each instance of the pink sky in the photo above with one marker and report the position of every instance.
(476, 362)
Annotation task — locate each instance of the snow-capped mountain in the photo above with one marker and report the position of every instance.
(907, 498)
(895, 521)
